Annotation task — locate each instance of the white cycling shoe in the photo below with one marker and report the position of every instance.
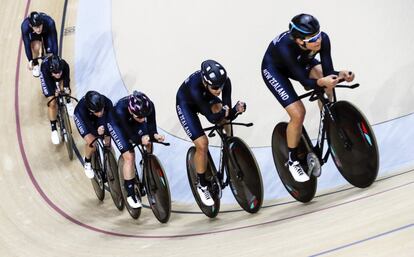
(88, 170)
(54, 136)
(134, 203)
(297, 172)
(36, 71)
(205, 195)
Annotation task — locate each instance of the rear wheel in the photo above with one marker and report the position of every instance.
(353, 145)
(245, 178)
(301, 191)
(97, 181)
(113, 179)
(134, 212)
(158, 190)
(209, 211)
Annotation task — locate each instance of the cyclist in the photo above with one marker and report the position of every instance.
(133, 121)
(90, 115)
(38, 31)
(292, 55)
(199, 94)
(54, 76)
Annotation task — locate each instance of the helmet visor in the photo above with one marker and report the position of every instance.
(313, 39)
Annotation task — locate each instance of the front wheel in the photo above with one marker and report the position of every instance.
(301, 191)
(158, 190)
(209, 211)
(353, 145)
(66, 131)
(113, 179)
(244, 173)
(98, 180)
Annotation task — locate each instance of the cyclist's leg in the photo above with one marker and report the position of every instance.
(36, 46)
(281, 87)
(192, 126)
(49, 92)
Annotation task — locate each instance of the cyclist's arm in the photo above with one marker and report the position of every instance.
(326, 58)
(66, 75)
(152, 123)
(297, 71)
(227, 100)
(52, 37)
(26, 40)
(205, 108)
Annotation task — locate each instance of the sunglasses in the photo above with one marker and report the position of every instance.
(138, 117)
(313, 39)
(217, 87)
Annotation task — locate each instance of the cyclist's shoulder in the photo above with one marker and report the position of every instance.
(26, 25)
(47, 18)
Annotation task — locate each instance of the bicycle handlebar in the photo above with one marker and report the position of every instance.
(318, 91)
(215, 127)
(61, 94)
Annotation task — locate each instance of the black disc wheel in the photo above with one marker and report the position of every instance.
(97, 181)
(158, 190)
(134, 212)
(301, 191)
(245, 178)
(66, 130)
(113, 180)
(209, 211)
(353, 145)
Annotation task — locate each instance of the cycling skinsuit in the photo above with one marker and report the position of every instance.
(192, 98)
(284, 59)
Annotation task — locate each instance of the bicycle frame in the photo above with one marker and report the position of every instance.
(224, 151)
(145, 165)
(319, 94)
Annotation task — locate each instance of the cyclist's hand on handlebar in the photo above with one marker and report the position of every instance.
(66, 90)
(101, 130)
(348, 76)
(329, 81)
(240, 107)
(227, 109)
(145, 140)
(159, 138)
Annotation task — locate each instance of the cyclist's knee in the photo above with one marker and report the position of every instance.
(52, 104)
(129, 157)
(215, 108)
(296, 112)
(201, 144)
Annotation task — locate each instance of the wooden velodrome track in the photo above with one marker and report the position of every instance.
(48, 207)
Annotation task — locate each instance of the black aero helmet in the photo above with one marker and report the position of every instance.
(140, 104)
(303, 25)
(55, 64)
(35, 19)
(213, 73)
(95, 102)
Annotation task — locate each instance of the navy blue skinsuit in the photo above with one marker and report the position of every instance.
(48, 36)
(86, 122)
(284, 59)
(193, 97)
(124, 129)
(48, 82)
